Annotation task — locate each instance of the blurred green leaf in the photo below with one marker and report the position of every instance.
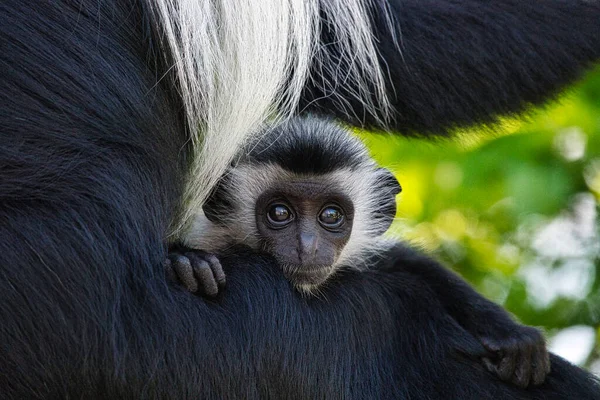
(499, 211)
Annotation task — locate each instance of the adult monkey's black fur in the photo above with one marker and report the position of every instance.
(90, 168)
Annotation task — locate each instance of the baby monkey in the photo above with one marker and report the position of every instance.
(309, 194)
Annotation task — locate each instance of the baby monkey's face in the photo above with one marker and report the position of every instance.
(304, 225)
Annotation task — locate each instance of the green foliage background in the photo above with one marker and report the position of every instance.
(491, 208)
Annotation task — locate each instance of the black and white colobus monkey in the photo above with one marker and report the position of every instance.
(306, 192)
(116, 115)
(309, 194)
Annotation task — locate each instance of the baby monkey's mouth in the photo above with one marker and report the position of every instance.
(307, 278)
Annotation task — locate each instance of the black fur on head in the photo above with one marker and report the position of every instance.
(307, 145)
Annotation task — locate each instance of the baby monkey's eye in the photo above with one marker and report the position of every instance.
(279, 215)
(331, 217)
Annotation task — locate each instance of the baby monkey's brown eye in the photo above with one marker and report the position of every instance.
(331, 217)
(279, 215)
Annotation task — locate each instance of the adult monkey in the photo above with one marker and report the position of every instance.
(94, 153)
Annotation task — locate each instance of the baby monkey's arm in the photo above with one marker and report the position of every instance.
(198, 271)
(517, 353)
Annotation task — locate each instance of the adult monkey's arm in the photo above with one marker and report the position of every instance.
(452, 64)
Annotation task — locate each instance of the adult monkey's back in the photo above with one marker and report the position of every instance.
(93, 158)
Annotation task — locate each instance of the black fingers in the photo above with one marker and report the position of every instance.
(521, 358)
(524, 365)
(168, 265)
(204, 274)
(540, 365)
(216, 268)
(182, 267)
(197, 271)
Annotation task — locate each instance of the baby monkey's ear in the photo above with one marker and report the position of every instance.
(387, 187)
(389, 181)
(218, 203)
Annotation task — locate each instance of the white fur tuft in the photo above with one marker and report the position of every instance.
(240, 63)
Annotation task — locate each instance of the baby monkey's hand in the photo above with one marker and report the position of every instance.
(519, 357)
(200, 272)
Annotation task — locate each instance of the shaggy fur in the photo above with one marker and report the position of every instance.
(96, 142)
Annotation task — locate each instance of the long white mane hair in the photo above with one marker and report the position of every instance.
(240, 63)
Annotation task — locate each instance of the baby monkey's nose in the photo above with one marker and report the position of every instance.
(308, 246)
